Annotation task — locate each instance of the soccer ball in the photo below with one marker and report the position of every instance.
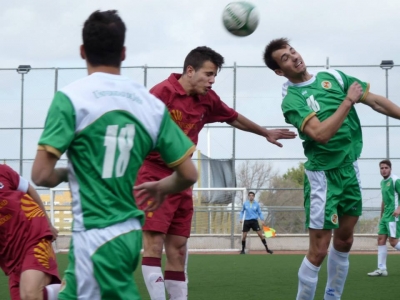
(240, 18)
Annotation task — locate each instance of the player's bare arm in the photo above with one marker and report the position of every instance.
(35, 196)
(44, 172)
(382, 105)
(272, 135)
(323, 131)
(185, 176)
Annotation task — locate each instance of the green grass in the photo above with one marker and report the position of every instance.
(266, 277)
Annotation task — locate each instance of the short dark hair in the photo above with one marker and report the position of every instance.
(103, 38)
(386, 162)
(274, 45)
(198, 56)
(251, 193)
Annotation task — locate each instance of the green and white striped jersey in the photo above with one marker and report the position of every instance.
(321, 96)
(108, 124)
(390, 189)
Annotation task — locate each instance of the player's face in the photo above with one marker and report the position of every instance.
(290, 62)
(203, 79)
(251, 197)
(385, 170)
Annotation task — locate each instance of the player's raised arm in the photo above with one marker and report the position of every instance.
(382, 105)
(44, 172)
(272, 135)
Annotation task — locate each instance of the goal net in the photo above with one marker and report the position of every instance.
(215, 222)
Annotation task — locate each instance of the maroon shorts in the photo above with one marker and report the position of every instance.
(38, 257)
(174, 216)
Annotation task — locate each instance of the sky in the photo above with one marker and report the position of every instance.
(160, 33)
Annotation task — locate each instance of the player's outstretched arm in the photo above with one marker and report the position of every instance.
(272, 135)
(44, 172)
(382, 105)
(185, 176)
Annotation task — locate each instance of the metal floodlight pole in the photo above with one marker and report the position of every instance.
(22, 69)
(387, 65)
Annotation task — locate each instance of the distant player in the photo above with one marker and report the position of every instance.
(26, 254)
(389, 225)
(251, 211)
(108, 124)
(192, 103)
(321, 107)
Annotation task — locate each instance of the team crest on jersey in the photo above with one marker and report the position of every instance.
(326, 84)
(334, 218)
(176, 115)
(388, 184)
(1, 185)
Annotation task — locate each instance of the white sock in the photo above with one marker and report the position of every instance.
(52, 291)
(308, 278)
(382, 255)
(154, 280)
(338, 267)
(397, 247)
(176, 285)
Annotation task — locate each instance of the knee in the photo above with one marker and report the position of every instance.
(393, 243)
(343, 244)
(27, 293)
(317, 255)
(153, 246)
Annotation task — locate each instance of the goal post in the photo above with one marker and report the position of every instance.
(215, 221)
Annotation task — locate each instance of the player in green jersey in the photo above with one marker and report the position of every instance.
(389, 225)
(108, 124)
(321, 107)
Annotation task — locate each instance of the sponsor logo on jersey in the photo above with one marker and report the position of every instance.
(326, 84)
(304, 92)
(334, 218)
(176, 115)
(3, 203)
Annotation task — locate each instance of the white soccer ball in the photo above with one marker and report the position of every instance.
(240, 18)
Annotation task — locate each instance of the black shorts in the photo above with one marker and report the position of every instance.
(253, 224)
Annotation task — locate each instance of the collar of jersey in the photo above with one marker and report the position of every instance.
(308, 82)
(110, 76)
(173, 79)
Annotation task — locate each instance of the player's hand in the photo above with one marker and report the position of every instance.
(149, 193)
(396, 212)
(277, 134)
(262, 223)
(54, 232)
(354, 92)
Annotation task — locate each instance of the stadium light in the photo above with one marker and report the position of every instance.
(22, 69)
(387, 65)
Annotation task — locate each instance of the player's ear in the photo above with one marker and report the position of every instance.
(190, 71)
(279, 72)
(82, 52)
(123, 53)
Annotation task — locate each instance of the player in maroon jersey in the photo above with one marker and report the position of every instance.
(192, 104)
(26, 254)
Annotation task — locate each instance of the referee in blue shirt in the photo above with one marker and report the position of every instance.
(251, 210)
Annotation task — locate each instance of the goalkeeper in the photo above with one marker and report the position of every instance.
(251, 212)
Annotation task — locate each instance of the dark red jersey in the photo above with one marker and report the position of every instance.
(22, 222)
(191, 113)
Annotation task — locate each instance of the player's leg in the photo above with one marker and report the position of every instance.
(320, 204)
(394, 228)
(176, 246)
(39, 275)
(349, 209)
(383, 233)
(256, 227)
(153, 243)
(186, 265)
(245, 230)
(93, 274)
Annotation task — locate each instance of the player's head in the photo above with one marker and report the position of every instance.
(200, 69)
(251, 196)
(385, 167)
(103, 39)
(283, 59)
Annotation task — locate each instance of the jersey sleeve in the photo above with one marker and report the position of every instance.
(296, 111)
(11, 177)
(397, 186)
(59, 129)
(220, 111)
(173, 145)
(349, 80)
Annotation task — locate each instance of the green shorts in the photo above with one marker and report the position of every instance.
(331, 194)
(102, 262)
(391, 227)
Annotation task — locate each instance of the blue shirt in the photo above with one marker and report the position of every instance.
(253, 211)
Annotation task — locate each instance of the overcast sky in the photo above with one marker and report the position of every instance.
(46, 33)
